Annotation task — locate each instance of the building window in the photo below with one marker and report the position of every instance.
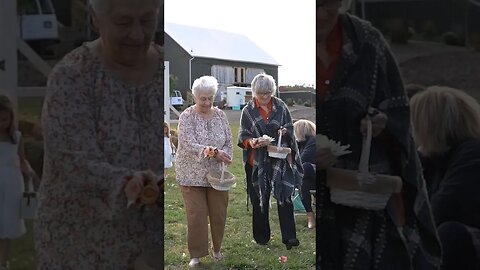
(240, 75)
(223, 74)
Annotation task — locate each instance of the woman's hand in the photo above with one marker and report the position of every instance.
(210, 152)
(379, 122)
(222, 156)
(259, 142)
(282, 131)
(134, 186)
(325, 158)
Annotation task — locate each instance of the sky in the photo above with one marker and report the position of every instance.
(287, 32)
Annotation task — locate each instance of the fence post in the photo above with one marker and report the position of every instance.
(8, 49)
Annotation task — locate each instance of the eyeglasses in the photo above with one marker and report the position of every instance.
(265, 94)
(329, 5)
(205, 99)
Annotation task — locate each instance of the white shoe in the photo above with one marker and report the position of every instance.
(194, 262)
(217, 256)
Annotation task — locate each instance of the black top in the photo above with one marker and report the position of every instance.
(307, 150)
(453, 183)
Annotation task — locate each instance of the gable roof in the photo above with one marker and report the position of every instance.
(217, 44)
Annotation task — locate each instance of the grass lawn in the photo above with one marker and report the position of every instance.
(240, 250)
(30, 109)
(22, 253)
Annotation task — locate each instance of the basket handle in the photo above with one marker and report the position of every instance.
(223, 172)
(363, 174)
(279, 139)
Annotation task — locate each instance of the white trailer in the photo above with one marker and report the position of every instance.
(237, 97)
(38, 22)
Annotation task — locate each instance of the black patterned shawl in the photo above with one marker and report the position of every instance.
(279, 173)
(349, 238)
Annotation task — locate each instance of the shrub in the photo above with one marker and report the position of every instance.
(289, 102)
(451, 38)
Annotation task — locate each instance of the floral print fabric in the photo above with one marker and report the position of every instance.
(194, 134)
(97, 131)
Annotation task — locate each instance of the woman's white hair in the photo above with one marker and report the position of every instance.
(100, 6)
(346, 5)
(443, 117)
(205, 85)
(303, 128)
(263, 83)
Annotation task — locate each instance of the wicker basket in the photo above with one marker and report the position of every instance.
(362, 189)
(278, 151)
(345, 189)
(359, 199)
(221, 182)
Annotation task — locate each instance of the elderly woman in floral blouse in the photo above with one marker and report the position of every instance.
(202, 127)
(101, 127)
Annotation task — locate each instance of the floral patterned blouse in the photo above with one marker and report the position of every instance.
(97, 131)
(195, 132)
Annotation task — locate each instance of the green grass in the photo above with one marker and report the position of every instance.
(240, 250)
(22, 253)
(30, 109)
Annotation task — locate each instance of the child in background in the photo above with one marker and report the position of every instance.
(12, 165)
(168, 148)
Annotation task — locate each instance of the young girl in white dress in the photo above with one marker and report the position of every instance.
(12, 164)
(168, 148)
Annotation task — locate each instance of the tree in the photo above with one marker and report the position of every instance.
(25, 6)
(173, 82)
(297, 87)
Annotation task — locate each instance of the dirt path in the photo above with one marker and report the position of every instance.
(415, 49)
(428, 63)
(455, 69)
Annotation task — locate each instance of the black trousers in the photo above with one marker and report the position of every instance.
(260, 221)
(309, 181)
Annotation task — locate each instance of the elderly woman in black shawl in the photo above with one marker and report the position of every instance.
(268, 115)
(356, 74)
